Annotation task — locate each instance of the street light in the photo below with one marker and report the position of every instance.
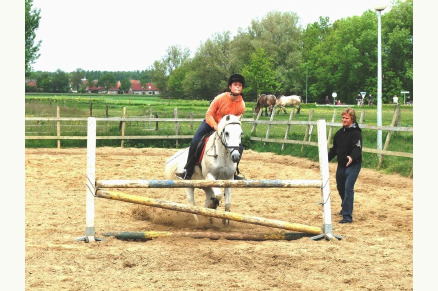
(379, 7)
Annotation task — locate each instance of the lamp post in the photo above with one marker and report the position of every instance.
(379, 8)
(306, 82)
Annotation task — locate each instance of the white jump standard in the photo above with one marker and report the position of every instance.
(100, 189)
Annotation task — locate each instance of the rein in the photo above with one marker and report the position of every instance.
(221, 136)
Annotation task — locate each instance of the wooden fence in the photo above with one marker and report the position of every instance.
(154, 121)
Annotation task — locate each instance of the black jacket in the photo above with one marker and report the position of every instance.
(347, 142)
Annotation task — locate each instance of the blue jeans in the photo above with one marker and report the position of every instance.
(203, 129)
(345, 180)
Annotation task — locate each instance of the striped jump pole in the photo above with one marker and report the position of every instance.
(150, 235)
(206, 184)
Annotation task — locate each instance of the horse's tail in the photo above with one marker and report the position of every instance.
(175, 163)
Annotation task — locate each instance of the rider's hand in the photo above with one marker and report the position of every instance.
(349, 161)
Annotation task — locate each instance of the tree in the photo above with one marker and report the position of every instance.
(162, 69)
(175, 84)
(60, 82)
(281, 38)
(125, 84)
(32, 20)
(76, 78)
(107, 81)
(209, 68)
(259, 75)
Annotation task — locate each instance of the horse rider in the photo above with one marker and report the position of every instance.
(229, 102)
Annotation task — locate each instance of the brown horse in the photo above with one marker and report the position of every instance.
(266, 101)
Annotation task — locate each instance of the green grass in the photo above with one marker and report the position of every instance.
(79, 106)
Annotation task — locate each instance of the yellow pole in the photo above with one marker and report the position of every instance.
(114, 195)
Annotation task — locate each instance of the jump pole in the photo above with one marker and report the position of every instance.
(150, 235)
(119, 196)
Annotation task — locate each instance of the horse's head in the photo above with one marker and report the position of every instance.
(260, 102)
(230, 133)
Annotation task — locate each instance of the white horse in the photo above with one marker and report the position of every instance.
(284, 101)
(218, 163)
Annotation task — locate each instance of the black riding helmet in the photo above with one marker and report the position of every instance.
(236, 78)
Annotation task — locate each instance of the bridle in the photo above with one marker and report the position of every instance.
(221, 136)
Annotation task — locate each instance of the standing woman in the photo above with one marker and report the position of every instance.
(347, 146)
(230, 102)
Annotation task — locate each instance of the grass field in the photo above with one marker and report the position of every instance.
(79, 106)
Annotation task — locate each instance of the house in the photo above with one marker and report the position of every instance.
(93, 88)
(31, 86)
(31, 83)
(115, 90)
(138, 89)
(151, 89)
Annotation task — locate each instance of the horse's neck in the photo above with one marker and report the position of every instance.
(215, 147)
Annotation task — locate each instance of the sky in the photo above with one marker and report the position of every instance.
(109, 35)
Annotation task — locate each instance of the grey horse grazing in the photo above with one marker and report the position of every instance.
(218, 163)
(266, 101)
(293, 100)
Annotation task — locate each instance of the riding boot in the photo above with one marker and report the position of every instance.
(190, 165)
(237, 175)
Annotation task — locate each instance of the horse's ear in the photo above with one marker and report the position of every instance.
(228, 118)
(240, 117)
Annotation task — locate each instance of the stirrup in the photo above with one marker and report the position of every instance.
(183, 176)
(238, 177)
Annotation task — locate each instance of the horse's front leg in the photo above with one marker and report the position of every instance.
(217, 193)
(190, 192)
(227, 192)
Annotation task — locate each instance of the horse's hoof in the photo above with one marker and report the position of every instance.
(213, 204)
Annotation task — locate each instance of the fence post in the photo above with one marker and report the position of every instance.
(123, 126)
(150, 116)
(156, 122)
(362, 115)
(191, 121)
(175, 115)
(255, 123)
(268, 130)
(288, 127)
(388, 137)
(331, 127)
(58, 125)
(91, 107)
(307, 128)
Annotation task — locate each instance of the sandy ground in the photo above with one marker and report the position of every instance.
(376, 252)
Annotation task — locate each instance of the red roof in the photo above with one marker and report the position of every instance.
(136, 86)
(31, 83)
(150, 87)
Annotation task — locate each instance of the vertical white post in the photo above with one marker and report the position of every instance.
(325, 177)
(90, 180)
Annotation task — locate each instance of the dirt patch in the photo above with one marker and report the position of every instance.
(376, 252)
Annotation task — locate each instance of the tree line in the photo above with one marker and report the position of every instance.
(278, 56)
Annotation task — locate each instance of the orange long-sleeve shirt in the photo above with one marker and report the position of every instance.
(223, 105)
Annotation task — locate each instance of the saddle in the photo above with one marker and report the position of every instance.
(200, 149)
